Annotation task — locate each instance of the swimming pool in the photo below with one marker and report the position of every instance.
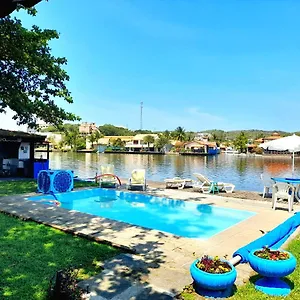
(183, 218)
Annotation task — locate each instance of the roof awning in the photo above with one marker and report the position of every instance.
(20, 136)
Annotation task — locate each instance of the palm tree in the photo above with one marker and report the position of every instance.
(98, 135)
(179, 134)
(162, 141)
(92, 138)
(149, 139)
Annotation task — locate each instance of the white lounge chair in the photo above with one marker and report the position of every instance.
(267, 185)
(284, 191)
(178, 182)
(137, 180)
(107, 178)
(206, 185)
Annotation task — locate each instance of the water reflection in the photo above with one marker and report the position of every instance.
(244, 172)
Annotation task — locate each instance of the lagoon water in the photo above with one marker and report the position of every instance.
(242, 171)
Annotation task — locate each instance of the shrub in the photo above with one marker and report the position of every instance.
(213, 265)
(64, 286)
(267, 253)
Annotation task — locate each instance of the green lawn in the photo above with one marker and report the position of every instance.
(30, 254)
(248, 291)
(14, 187)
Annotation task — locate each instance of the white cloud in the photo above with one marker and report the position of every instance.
(203, 116)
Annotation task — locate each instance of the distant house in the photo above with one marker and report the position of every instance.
(201, 147)
(272, 137)
(87, 128)
(137, 144)
(202, 136)
(105, 141)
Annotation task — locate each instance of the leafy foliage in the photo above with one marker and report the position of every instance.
(95, 136)
(218, 136)
(267, 253)
(163, 140)
(213, 265)
(149, 139)
(117, 143)
(109, 129)
(31, 78)
(64, 285)
(73, 139)
(179, 134)
(240, 142)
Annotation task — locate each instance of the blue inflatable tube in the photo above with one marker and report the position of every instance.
(273, 239)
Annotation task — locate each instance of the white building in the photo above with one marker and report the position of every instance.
(137, 144)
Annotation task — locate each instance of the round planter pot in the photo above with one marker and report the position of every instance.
(272, 268)
(209, 281)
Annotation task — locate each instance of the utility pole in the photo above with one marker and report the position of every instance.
(141, 125)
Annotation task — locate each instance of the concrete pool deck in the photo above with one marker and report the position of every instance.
(158, 262)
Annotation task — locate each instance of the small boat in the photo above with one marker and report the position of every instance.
(230, 150)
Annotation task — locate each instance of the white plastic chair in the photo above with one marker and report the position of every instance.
(267, 185)
(137, 179)
(283, 191)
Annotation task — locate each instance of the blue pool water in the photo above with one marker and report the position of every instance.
(183, 218)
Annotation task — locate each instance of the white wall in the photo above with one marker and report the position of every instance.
(24, 151)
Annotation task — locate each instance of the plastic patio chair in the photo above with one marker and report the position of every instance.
(267, 185)
(284, 191)
(137, 180)
(107, 178)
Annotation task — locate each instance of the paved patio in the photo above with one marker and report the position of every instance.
(156, 265)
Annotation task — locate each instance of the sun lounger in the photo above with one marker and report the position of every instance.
(206, 186)
(137, 180)
(178, 182)
(107, 178)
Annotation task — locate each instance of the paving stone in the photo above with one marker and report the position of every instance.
(107, 284)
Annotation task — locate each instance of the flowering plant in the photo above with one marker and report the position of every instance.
(267, 253)
(213, 265)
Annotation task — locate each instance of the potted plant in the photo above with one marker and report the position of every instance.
(272, 264)
(212, 274)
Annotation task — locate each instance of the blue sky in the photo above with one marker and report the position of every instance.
(197, 64)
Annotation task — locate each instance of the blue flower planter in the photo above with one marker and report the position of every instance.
(212, 282)
(272, 270)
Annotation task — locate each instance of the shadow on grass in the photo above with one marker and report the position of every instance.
(31, 253)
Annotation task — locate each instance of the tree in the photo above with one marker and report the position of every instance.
(118, 143)
(92, 138)
(167, 134)
(241, 142)
(73, 139)
(217, 136)
(162, 141)
(179, 134)
(109, 129)
(31, 78)
(149, 139)
(98, 135)
(189, 136)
